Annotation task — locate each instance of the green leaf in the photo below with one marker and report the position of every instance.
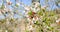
(16, 5)
(3, 21)
(30, 13)
(37, 22)
(26, 31)
(2, 7)
(40, 13)
(50, 28)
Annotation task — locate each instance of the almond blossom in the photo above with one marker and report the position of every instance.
(27, 8)
(30, 27)
(58, 21)
(7, 0)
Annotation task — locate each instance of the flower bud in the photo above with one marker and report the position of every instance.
(9, 3)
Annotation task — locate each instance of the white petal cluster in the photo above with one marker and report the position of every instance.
(34, 9)
(7, 0)
(27, 8)
(44, 7)
(58, 20)
(36, 4)
(6, 31)
(30, 27)
(18, 4)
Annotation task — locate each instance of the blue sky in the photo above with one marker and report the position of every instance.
(28, 2)
(42, 2)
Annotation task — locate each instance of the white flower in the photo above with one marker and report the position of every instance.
(37, 9)
(55, 17)
(7, 0)
(44, 7)
(34, 10)
(58, 20)
(6, 31)
(31, 8)
(30, 27)
(37, 4)
(23, 11)
(28, 19)
(27, 8)
(34, 19)
(6, 10)
(18, 4)
(27, 16)
(37, 18)
(47, 27)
